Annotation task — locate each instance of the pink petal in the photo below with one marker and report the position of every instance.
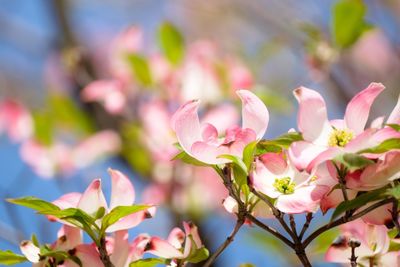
(328, 154)
(69, 200)
(93, 198)
(357, 110)
(122, 190)
(377, 123)
(186, 125)
(312, 118)
(304, 199)
(274, 162)
(379, 174)
(254, 113)
(191, 229)
(209, 133)
(379, 216)
(230, 205)
(176, 237)
(334, 198)
(163, 249)
(222, 117)
(302, 153)
(88, 255)
(208, 153)
(130, 221)
(138, 247)
(364, 140)
(16, 120)
(394, 117)
(339, 251)
(68, 238)
(30, 251)
(120, 253)
(262, 180)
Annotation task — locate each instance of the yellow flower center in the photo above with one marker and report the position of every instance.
(284, 185)
(340, 137)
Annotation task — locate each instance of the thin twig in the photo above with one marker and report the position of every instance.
(353, 244)
(227, 242)
(342, 220)
(292, 224)
(395, 215)
(309, 217)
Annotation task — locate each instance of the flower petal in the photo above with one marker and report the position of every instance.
(208, 153)
(379, 216)
(30, 251)
(302, 153)
(312, 118)
(186, 125)
(394, 117)
(163, 249)
(130, 221)
(357, 110)
(122, 190)
(254, 113)
(93, 198)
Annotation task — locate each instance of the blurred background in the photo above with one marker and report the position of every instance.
(86, 85)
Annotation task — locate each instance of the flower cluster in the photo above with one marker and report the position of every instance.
(336, 164)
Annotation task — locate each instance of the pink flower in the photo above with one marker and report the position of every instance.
(294, 191)
(122, 194)
(69, 240)
(179, 244)
(111, 93)
(324, 139)
(374, 245)
(202, 141)
(15, 120)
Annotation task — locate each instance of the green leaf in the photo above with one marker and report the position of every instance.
(10, 258)
(35, 240)
(199, 255)
(239, 169)
(119, 212)
(185, 157)
(394, 192)
(171, 43)
(43, 125)
(389, 144)
(248, 154)
(394, 126)
(321, 244)
(353, 161)
(247, 265)
(140, 68)
(74, 216)
(34, 203)
(348, 22)
(150, 262)
(100, 213)
(283, 141)
(358, 202)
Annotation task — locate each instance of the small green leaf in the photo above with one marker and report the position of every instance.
(35, 240)
(199, 255)
(283, 141)
(74, 216)
(248, 154)
(394, 126)
(348, 22)
(239, 169)
(140, 69)
(358, 202)
(119, 212)
(389, 144)
(34, 203)
(236, 161)
(171, 43)
(10, 258)
(321, 244)
(353, 161)
(185, 157)
(394, 192)
(392, 233)
(43, 122)
(150, 262)
(100, 213)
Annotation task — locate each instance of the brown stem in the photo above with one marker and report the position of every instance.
(228, 241)
(395, 215)
(342, 220)
(309, 217)
(353, 244)
(104, 257)
(292, 224)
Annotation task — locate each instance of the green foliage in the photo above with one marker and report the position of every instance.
(185, 157)
(389, 144)
(171, 43)
(248, 154)
(119, 212)
(358, 202)
(279, 143)
(35, 204)
(134, 150)
(10, 258)
(394, 126)
(348, 22)
(43, 127)
(321, 244)
(150, 262)
(394, 192)
(239, 169)
(198, 255)
(247, 265)
(274, 100)
(353, 161)
(140, 69)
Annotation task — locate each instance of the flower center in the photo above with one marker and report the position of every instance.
(340, 137)
(284, 185)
